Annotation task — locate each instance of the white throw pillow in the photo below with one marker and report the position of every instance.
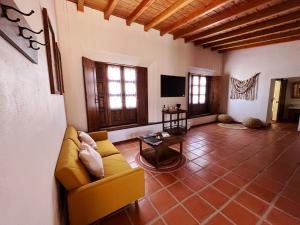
(84, 137)
(92, 160)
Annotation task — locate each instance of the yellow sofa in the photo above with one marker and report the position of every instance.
(90, 200)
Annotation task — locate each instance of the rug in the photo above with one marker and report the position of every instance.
(170, 166)
(236, 126)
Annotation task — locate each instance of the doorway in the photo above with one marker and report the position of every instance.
(275, 102)
(278, 100)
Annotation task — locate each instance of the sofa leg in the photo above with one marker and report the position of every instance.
(136, 203)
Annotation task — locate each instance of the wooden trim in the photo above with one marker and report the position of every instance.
(262, 43)
(179, 4)
(194, 15)
(248, 29)
(49, 36)
(209, 21)
(80, 5)
(110, 8)
(254, 35)
(262, 14)
(138, 11)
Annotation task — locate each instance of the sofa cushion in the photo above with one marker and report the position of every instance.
(106, 148)
(114, 164)
(92, 160)
(84, 137)
(71, 133)
(69, 170)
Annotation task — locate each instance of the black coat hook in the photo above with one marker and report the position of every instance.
(35, 48)
(6, 7)
(21, 32)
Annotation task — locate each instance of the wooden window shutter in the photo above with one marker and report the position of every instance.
(215, 94)
(142, 93)
(89, 73)
(189, 97)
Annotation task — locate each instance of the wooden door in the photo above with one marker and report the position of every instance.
(281, 102)
(199, 102)
(214, 95)
(101, 94)
(90, 80)
(119, 112)
(142, 92)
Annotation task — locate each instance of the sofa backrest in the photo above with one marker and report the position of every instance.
(72, 134)
(69, 170)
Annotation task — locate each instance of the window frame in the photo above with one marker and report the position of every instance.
(199, 108)
(200, 87)
(122, 82)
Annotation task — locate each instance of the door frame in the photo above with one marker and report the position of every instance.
(281, 104)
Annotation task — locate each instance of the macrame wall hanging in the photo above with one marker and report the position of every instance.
(244, 89)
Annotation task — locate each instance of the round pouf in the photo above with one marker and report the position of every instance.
(224, 118)
(252, 123)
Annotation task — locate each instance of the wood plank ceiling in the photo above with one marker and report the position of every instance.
(221, 25)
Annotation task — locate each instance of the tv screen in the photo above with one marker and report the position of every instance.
(172, 86)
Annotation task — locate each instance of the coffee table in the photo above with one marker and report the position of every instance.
(156, 154)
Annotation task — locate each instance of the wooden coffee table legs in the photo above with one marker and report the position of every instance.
(158, 154)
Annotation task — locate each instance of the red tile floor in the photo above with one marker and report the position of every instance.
(232, 177)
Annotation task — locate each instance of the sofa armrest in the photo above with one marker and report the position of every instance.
(100, 198)
(99, 135)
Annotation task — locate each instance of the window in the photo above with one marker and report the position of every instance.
(198, 95)
(114, 87)
(116, 95)
(121, 84)
(130, 87)
(198, 90)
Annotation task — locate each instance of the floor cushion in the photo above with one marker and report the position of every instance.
(224, 118)
(253, 123)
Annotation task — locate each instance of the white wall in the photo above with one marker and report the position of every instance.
(32, 127)
(273, 61)
(88, 34)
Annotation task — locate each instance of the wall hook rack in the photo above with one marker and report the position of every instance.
(21, 32)
(7, 7)
(35, 48)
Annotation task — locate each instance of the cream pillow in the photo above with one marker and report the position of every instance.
(92, 160)
(84, 137)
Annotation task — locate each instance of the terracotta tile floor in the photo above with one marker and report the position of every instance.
(232, 177)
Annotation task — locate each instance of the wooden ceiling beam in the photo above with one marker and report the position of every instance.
(261, 33)
(194, 15)
(264, 43)
(259, 39)
(80, 5)
(209, 21)
(179, 4)
(110, 8)
(138, 11)
(262, 14)
(249, 29)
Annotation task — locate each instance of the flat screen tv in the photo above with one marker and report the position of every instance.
(172, 86)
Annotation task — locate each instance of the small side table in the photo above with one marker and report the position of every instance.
(177, 123)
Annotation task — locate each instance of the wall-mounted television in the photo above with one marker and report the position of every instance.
(172, 86)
